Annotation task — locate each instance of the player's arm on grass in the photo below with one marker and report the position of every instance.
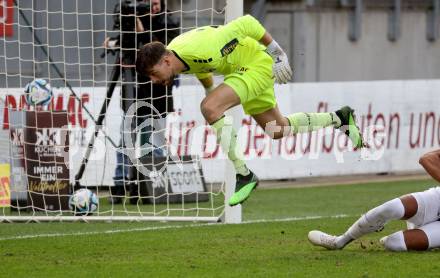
(248, 26)
(431, 162)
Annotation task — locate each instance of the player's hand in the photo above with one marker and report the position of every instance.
(281, 67)
(106, 41)
(109, 43)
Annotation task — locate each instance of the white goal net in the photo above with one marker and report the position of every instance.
(142, 149)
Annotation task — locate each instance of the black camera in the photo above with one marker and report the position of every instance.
(126, 12)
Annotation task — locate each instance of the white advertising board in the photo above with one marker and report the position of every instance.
(400, 119)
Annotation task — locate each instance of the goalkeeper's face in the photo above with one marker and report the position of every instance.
(162, 73)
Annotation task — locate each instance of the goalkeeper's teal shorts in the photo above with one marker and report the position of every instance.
(253, 82)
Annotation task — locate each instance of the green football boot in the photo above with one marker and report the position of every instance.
(348, 125)
(243, 188)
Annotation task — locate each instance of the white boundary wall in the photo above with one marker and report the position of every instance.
(408, 112)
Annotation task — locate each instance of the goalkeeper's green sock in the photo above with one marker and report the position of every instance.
(227, 136)
(305, 122)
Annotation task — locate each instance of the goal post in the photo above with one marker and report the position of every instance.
(234, 9)
(62, 42)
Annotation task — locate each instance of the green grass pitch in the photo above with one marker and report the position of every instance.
(271, 243)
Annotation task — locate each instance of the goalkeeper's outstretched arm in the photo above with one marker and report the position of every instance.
(248, 26)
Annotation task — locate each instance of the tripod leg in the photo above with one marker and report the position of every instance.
(129, 97)
(115, 76)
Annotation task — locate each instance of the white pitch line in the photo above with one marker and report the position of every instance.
(167, 227)
(294, 219)
(102, 232)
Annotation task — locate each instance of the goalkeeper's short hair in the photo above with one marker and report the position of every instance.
(148, 56)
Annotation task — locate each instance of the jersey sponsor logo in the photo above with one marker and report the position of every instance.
(229, 47)
(241, 70)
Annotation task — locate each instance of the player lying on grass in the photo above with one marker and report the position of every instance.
(250, 59)
(421, 210)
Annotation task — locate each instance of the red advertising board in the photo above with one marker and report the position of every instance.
(6, 18)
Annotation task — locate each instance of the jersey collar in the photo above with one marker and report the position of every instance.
(181, 60)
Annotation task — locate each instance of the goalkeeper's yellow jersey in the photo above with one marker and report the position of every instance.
(209, 49)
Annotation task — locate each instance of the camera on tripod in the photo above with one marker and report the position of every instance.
(126, 13)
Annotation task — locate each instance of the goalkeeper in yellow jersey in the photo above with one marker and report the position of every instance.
(251, 61)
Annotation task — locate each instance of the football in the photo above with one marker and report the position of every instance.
(38, 92)
(83, 202)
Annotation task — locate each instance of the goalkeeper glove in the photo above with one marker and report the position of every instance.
(281, 67)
